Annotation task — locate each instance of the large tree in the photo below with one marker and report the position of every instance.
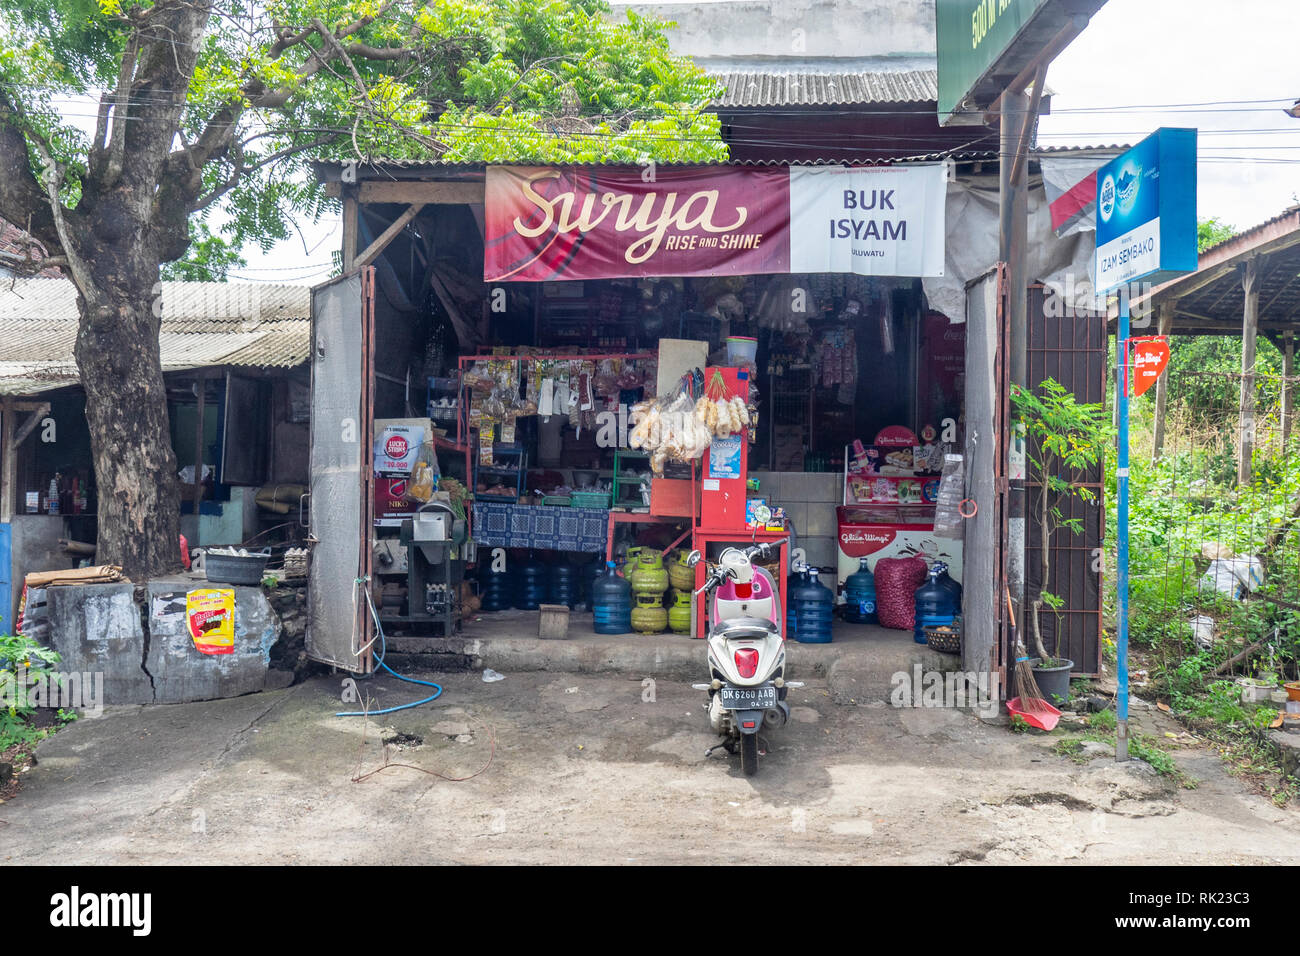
(192, 106)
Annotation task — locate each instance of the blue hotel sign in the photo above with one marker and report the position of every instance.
(1146, 211)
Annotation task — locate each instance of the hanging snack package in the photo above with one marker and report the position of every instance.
(210, 619)
(424, 475)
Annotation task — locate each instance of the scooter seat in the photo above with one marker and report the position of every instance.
(746, 629)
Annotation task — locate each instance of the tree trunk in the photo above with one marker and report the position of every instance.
(126, 408)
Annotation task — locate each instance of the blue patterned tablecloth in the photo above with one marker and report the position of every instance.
(503, 525)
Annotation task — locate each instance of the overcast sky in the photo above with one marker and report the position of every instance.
(1124, 77)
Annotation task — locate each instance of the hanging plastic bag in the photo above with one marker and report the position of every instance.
(424, 475)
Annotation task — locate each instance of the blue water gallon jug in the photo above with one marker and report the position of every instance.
(860, 595)
(797, 579)
(588, 575)
(935, 602)
(814, 608)
(954, 588)
(496, 588)
(611, 602)
(530, 585)
(562, 588)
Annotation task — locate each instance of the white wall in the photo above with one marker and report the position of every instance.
(749, 34)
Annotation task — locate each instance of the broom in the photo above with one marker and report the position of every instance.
(1026, 687)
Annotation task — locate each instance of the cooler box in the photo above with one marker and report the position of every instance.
(877, 532)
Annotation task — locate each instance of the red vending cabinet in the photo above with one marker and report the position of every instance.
(724, 474)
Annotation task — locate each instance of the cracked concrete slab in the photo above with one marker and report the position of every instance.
(269, 778)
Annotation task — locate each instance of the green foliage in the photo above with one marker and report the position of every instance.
(1065, 440)
(209, 258)
(20, 659)
(527, 81)
(1161, 761)
(1211, 232)
(1207, 369)
(1103, 721)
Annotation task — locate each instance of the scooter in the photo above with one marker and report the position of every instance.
(746, 650)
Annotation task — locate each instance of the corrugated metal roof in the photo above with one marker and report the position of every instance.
(752, 88)
(410, 169)
(204, 324)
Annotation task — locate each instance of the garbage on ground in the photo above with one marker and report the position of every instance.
(490, 676)
(1233, 577)
(1203, 630)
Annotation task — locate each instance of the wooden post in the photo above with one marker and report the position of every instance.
(8, 467)
(202, 385)
(1165, 325)
(351, 209)
(1288, 394)
(1249, 326)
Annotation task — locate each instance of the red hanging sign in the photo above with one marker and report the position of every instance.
(1147, 360)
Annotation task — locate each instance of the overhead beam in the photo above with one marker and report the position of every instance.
(372, 251)
(1219, 261)
(408, 192)
(27, 427)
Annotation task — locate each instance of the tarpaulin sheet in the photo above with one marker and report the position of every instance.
(503, 525)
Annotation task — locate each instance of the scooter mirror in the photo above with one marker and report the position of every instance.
(693, 559)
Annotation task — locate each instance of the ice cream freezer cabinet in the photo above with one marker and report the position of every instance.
(875, 533)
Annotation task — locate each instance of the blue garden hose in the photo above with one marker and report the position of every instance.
(383, 649)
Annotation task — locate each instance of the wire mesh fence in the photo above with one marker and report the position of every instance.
(1214, 547)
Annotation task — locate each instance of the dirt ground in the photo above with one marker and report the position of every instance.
(583, 769)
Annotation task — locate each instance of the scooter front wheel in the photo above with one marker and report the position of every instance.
(749, 754)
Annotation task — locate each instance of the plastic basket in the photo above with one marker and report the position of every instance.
(591, 499)
(557, 501)
(944, 638)
(235, 568)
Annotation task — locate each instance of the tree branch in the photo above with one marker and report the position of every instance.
(23, 200)
(241, 171)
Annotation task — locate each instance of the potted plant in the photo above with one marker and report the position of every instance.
(1063, 440)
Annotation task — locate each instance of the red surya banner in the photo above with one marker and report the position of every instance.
(547, 223)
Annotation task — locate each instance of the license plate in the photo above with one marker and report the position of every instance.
(748, 698)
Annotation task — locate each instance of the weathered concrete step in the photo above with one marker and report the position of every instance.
(860, 664)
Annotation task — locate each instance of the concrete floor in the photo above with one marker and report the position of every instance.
(590, 768)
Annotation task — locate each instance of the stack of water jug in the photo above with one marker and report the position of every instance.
(812, 604)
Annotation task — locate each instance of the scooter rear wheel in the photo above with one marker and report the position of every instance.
(749, 754)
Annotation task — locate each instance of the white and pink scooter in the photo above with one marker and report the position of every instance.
(748, 688)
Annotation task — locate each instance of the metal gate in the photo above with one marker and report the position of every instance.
(339, 625)
(1069, 344)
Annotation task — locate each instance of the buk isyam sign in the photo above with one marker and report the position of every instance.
(1148, 358)
(551, 223)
